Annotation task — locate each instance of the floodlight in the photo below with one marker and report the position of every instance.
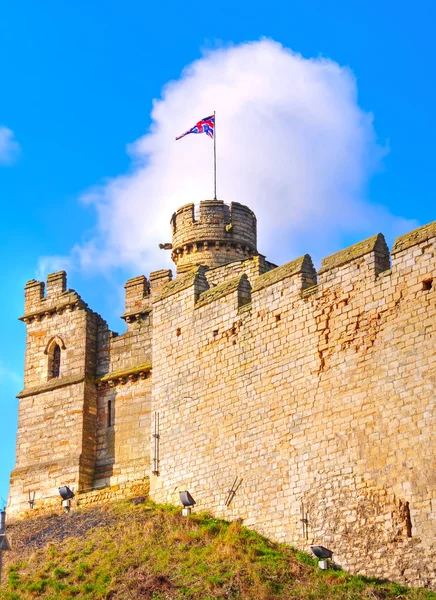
(4, 543)
(66, 493)
(186, 499)
(324, 555)
(321, 552)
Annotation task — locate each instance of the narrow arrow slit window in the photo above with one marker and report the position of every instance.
(54, 365)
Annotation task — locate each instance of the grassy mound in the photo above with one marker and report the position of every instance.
(139, 550)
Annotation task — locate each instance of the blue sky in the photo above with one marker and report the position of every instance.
(77, 85)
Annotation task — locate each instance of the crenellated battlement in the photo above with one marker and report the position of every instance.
(140, 293)
(56, 300)
(358, 266)
(217, 234)
(375, 245)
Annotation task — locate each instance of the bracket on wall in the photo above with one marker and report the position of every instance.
(32, 499)
(232, 491)
(304, 522)
(156, 437)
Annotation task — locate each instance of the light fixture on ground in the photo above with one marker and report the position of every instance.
(324, 555)
(188, 502)
(66, 495)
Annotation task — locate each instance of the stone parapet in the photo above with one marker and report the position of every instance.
(67, 302)
(302, 265)
(33, 294)
(56, 284)
(128, 373)
(239, 284)
(137, 298)
(413, 238)
(252, 267)
(375, 244)
(56, 300)
(194, 277)
(158, 279)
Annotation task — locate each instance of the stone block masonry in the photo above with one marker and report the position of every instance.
(88, 425)
(219, 234)
(315, 391)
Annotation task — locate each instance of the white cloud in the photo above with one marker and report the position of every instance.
(9, 147)
(292, 144)
(53, 264)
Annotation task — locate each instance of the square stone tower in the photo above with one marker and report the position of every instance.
(56, 442)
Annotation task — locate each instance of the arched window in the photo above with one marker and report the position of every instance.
(53, 351)
(56, 364)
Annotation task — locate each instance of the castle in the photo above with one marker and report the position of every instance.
(300, 402)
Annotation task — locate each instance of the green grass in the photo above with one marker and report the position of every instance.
(148, 551)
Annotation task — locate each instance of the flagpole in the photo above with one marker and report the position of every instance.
(214, 154)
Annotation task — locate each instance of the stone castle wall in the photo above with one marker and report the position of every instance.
(318, 400)
(311, 396)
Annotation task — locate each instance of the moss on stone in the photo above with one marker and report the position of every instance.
(219, 291)
(422, 234)
(52, 384)
(299, 265)
(376, 242)
(144, 310)
(245, 308)
(310, 291)
(144, 368)
(68, 298)
(179, 284)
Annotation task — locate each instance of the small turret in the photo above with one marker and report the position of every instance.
(219, 234)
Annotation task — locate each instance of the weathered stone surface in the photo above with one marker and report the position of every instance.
(53, 384)
(237, 284)
(183, 282)
(375, 244)
(252, 267)
(408, 240)
(121, 373)
(302, 265)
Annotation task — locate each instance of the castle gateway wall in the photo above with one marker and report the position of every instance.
(316, 402)
(303, 404)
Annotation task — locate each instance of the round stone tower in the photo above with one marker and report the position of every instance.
(214, 235)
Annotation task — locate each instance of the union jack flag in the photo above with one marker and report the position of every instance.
(206, 126)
